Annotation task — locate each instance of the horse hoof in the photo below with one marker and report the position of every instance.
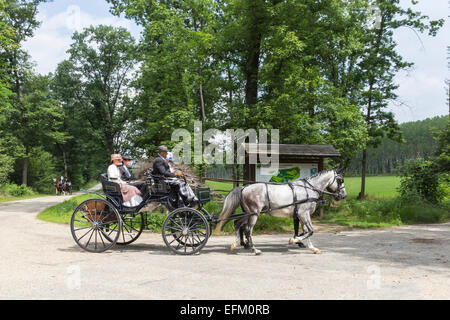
(233, 247)
(257, 252)
(301, 245)
(316, 251)
(291, 241)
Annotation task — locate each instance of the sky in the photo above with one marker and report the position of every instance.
(422, 90)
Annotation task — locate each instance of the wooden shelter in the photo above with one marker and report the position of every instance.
(295, 161)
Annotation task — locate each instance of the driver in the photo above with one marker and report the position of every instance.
(160, 165)
(162, 168)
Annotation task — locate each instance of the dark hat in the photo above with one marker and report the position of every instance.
(126, 157)
(163, 149)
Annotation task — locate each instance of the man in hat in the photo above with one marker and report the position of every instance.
(128, 177)
(124, 171)
(161, 167)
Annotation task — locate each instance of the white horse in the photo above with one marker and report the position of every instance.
(280, 200)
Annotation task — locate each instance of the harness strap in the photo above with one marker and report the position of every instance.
(295, 198)
(268, 199)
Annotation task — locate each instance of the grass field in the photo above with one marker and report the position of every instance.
(377, 187)
(62, 212)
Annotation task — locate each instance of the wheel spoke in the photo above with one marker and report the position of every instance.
(101, 238)
(81, 228)
(81, 221)
(176, 223)
(87, 244)
(85, 234)
(95, 245)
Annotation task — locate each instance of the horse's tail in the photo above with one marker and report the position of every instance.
(232, 201)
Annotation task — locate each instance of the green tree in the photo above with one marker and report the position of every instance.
(7, 156)
(442, 151)
(379, 65)
(37, 122)
(253, 61)
(179, 74)
(98, 74)
(19, 16)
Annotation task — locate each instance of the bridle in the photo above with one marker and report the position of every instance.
(335, 194)
(340, 181)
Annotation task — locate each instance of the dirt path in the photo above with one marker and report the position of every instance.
(40, 260)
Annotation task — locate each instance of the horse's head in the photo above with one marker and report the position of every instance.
(54, 181)
(337, 185)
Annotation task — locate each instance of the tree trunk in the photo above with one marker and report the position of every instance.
(363, 175)
(235, 175)
(252, 61)
(65, 165)
(202, 104)
(110, 143)
(251, 85)
(61, 147)
(25, 169)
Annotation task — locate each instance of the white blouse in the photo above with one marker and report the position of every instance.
(114, 174)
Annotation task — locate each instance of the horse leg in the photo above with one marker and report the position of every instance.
(237, 241)
(310, 228)
(248, 232)
(309, 231)
(238, 225)
(247, 241)
(296, 225)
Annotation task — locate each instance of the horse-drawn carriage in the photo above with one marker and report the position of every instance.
(100, 223)
(62, 186)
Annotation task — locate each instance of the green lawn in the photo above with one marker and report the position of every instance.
(380, 187)
(62, 212)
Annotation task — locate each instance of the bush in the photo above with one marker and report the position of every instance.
(422, 179)
(6, 168)
(42, 170)
(381, 213)
(16, 191)
(155, 221)
(423, 212)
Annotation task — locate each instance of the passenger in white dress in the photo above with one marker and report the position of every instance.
(130, 194)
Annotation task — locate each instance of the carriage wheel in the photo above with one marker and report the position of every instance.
(132, 226)
(185, 231)
(96, 225)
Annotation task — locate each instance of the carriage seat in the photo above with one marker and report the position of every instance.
(109, 187)
(157, 184)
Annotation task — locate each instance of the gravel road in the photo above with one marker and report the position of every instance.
(40, 260)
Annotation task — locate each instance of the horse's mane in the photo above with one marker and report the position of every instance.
(318, 174)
